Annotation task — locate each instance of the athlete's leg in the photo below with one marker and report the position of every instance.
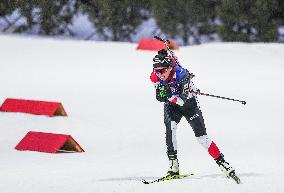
(194, 117)
(172, 117)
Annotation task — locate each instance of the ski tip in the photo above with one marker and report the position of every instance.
(145, 182)
(238, 181)
(235, 178)
(166, 178)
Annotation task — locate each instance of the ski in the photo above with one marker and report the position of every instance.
(233, 176)
(167, 177)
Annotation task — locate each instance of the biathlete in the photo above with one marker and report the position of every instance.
(174, 87)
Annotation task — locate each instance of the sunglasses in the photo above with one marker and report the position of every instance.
(160, 71)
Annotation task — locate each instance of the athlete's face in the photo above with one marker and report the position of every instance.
(163, 73)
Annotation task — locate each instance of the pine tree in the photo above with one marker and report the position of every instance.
(248, 21)
(49, 17)
(116, 20)
(185, 18)
(7, 7)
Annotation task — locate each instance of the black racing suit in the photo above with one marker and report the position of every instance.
(182, 89)
(174, 112)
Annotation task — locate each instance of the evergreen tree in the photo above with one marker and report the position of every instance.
(278, 16)
(238, 20)
(185, 18)
(49, 17)
(248, 21)
(116, 20)
(6, 7)
(278, 13)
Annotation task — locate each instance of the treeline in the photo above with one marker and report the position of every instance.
(118, 20)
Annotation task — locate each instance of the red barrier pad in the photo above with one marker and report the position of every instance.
(153, 44)
(33, 107)
(48, 142)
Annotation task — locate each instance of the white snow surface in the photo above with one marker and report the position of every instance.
(114, 116)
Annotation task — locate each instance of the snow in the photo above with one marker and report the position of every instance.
(113, 115)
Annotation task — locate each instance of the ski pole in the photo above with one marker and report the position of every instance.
(220, 97)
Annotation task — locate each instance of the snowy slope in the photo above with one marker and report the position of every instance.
(105, 89)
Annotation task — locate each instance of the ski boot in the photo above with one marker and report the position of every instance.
(174, 167)
(227, 169)
(173, 173)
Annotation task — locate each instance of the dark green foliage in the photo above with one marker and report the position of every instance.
(185, 18)
(55, 16)
(7, 7)
(232, 20)
(278, 14)
(249, 21)
(116, 20)
(49, 17)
